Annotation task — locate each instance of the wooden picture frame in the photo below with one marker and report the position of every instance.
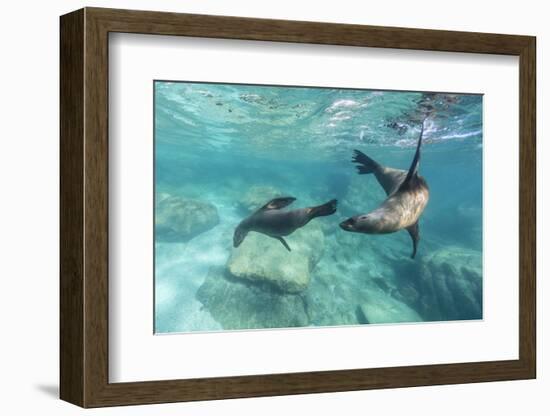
(84, 207)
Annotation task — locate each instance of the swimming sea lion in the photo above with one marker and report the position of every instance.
(408, 195)
(273, 222)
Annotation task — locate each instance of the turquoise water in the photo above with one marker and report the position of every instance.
(222, 151)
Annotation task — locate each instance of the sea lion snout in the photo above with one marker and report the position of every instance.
(361, 224)
(348, 225)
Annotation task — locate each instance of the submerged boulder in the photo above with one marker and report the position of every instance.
(179, 220)
(256, 196)
(239, 304)
(264, 259)
(330, 301)
(453, 284)
(380, 308)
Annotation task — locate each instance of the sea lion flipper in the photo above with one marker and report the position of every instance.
(278, 203)
(327, 208)
(283, 242)
(365, 164)
(414, 232)
(412, 173)
(388, 178)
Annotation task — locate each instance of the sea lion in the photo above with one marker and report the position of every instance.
(407, 193)
(273, 222)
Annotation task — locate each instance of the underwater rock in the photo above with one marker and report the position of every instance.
(380, 308)
(329, 300)
(239, 304)
(353, 270)
(451, 286)
(264, 259)
(179, 220)
(406, 293)
(257, 196)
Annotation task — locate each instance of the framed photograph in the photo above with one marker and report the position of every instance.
(255, 207)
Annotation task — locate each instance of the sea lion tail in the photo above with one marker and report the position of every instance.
(365, 164)
(328, 208)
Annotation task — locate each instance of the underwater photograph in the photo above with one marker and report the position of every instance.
(289, 206)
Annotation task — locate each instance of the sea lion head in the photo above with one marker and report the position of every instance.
(239, 236)
(364, 223)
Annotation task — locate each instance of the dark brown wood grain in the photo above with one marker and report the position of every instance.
(527, 207)
(71, 100)
(84, 207)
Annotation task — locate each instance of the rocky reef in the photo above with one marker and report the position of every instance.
(347, 279)
(241, 304)
(263, 285)
(442, 285)
(179, 220)
(263, 259)
(451, 285)
(382, 309)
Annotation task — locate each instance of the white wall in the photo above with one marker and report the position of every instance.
(29, 208)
